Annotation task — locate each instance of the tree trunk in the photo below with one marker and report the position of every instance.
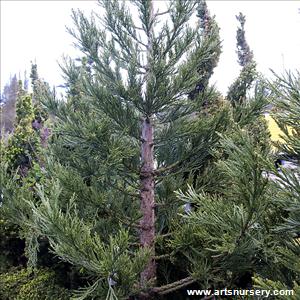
(147, 223)
(147, 233)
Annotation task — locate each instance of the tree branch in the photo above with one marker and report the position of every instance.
(168, 288)
(162, 13)
(159, 171)
(163, 256)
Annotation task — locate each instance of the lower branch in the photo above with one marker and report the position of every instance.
(163, 256)
(168, 288)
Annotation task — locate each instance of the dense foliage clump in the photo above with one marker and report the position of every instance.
(24, 284)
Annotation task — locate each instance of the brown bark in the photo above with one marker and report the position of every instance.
(147, 223)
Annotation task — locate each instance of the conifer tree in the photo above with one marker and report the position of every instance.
(127, 136)
(239, 224)
(22, 147)
(286, 99)
(39, 88)
(237, 92)
(244, 108)
(18, 171)
(208, 27)
(21, 166)
(248, 94)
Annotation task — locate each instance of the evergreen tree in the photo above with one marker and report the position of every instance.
(249, 105)
(20, 161)
(34, 74)
(286, 98)
(20, 158)
(21, 168)
(237, 93)
(22, 145)
(127, 136)
(39, 88)
(208, 28)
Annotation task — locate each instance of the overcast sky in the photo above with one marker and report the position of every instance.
(35, 30)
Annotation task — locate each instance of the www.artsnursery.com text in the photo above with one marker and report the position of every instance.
(240, 292)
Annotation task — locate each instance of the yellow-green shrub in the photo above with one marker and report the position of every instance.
(25, 284)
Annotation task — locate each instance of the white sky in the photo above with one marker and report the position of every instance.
(35, 30)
